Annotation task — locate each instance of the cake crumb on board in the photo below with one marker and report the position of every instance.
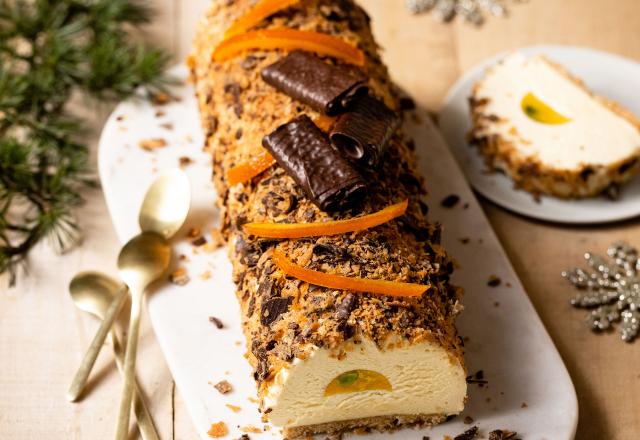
(218, 430)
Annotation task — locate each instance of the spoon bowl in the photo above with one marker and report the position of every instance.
(144, 259)
(166, 204)
(93, 292)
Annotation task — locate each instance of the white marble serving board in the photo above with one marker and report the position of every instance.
(528, 389)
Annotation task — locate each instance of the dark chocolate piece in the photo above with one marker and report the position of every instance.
(469, 434)
(305, 153)
(262, 366)
(494, 281)
(344, 309)
(216, 322)
(362, 133)
(324, 87)
(450, 201)
(502, 434)
(273, 308)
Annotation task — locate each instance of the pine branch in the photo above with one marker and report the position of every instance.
(48, 49)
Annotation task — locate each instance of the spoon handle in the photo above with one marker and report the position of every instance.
(145, 422)
(130, 362)
(89, 359)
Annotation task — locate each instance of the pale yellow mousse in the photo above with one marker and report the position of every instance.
(546, 115)
(360, 380)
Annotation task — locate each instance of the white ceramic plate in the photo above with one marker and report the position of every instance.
(606, 74)
(506, 338)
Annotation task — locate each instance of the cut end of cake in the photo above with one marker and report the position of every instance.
(359, 385)
(541, 126)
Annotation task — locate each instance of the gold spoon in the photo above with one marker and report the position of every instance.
(94, 292)
(144, 259)
(163, 210)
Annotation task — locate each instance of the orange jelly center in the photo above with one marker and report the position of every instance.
(355, 381)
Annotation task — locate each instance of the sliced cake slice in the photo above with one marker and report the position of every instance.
(543, 127)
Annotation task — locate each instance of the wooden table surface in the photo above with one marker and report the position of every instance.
(42, 335)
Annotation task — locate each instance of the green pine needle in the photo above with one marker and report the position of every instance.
(48, 49)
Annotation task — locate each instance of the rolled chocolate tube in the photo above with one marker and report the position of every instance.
(363, 132)
(324, 87)
(305, 153)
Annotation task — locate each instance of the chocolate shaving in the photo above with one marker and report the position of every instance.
(494, 281)
(266, 288)
(216, 322)
(234, 90)
(348, 304)
(305, 153)
(343, 312)
(450, 201)
(363, 132)
(469, 434)
(273, 308)
(200, 241)
(330, 251)
(251, 307)
(502, 434)
(262, 366)
(324, 87)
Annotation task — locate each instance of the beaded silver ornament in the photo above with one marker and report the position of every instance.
(471, 10)
(610, 289)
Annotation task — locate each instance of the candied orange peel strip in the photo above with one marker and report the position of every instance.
(288, 39)
(248, 170)
(332, 281)
(261, 10)
(333, 227)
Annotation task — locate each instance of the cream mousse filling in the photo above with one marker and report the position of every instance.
(424, 377)
(593, 134)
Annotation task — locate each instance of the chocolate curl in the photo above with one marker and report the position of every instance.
(324, 87)
(362, 133)
(304, 152)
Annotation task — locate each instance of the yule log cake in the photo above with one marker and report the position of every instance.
(342, 281)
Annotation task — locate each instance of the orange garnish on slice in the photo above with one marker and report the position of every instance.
(261, 10)
(289, 39)
(251, 168)
(332, 281)
(333, 227)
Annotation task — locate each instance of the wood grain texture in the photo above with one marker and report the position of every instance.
(42, 335)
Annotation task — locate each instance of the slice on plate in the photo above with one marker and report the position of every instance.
(541, 126)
